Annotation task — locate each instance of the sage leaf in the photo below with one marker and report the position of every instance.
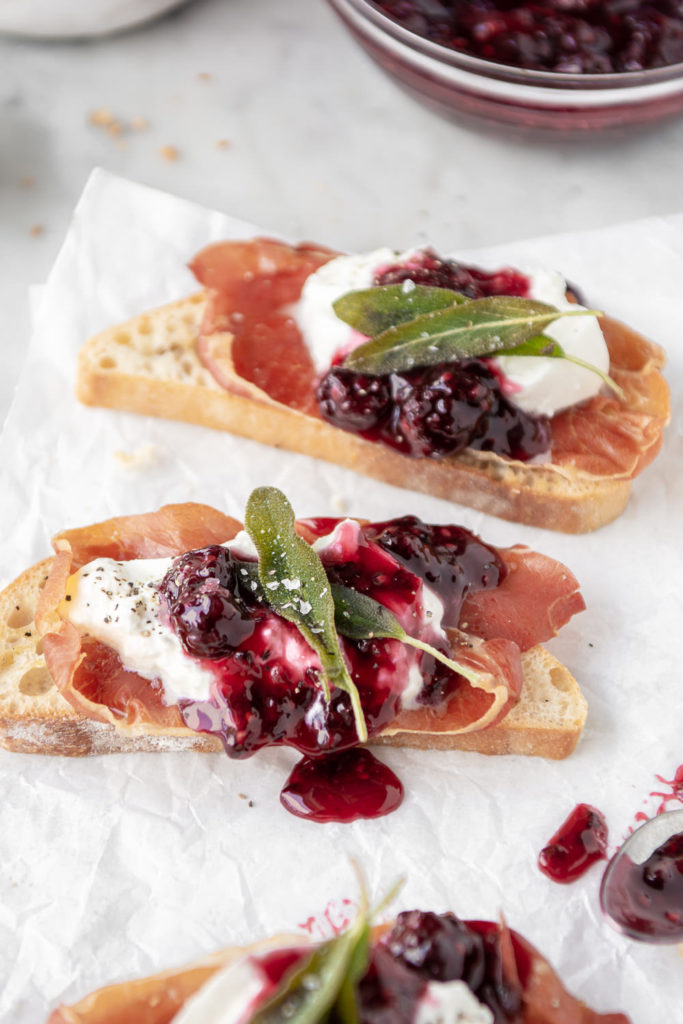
(551, 349)
(346, 1004)
(475, 328)
(311, 991)
(326, 982)
(371, 311)
(297, 588)
(359, 617)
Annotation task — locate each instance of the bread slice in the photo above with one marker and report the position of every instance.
(150, 365)
(36, 719)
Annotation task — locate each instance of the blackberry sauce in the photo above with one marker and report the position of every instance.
(276, 964)
(341, 787)
(449, 559)
(435, 411)
(579, 842)
(428, 268)
(423, 947)
(646, 900)
(569, 36)
(267, 688)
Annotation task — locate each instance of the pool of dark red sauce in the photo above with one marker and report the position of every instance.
(579, 842)
(646, 900)
(342, 787)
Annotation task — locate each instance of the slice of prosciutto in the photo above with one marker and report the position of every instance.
(610, 437)
(537, 597)
(249, 340)
(545, 1000)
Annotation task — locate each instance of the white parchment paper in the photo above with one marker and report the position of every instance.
(121, 865)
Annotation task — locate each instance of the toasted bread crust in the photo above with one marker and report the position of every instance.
(36, 719)
(150, 365)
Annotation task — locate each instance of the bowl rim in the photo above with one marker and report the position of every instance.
(560, 80)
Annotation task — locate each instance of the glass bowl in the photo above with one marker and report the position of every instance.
(483, 93)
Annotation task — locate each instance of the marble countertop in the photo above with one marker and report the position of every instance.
(273, 114)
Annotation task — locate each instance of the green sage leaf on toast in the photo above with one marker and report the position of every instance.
(372, 311)
(311, 991)
(297, 588)
(346, 1003)
(360, 617)
(471, 329)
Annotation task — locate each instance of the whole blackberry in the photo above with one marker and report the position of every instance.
(353, 401)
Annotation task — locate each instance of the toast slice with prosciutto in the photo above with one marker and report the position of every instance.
(231, 358)
(63, 690)
(424, 967)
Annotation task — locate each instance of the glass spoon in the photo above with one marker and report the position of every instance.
(642, 887)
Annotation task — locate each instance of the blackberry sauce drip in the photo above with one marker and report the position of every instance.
(579, 842)
(341, 787)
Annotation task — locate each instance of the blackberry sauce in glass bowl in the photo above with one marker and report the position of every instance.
(590, 67)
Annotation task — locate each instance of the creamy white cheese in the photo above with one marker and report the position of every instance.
(242, 546)
(231, 995)
(538, 385)
(547, 386)
(321, 329)
(451, 1002)
(118, 603)
(227, 998)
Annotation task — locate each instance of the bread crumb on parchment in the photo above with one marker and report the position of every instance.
(140, 458)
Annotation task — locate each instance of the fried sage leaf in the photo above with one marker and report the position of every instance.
(371, 311)
(346, 1003)
(475, 328)
(360, 617)
(312, 990)
(297, 588)
(326, 982)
